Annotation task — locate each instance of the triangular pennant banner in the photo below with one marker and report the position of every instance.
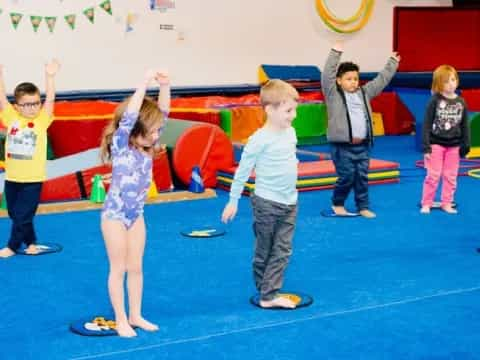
(15, 17)
(51, 21)
(90, 14)
(36, 20)
(70, 19)
(107, 6)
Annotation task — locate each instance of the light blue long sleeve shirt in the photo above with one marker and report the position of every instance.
(356, 110)
(273, 155)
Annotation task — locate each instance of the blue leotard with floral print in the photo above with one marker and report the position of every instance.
(131, 176)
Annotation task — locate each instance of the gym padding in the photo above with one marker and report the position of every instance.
(311, 123)
(418, 39)
(472, 98)
(475, 130)
(288, 73)
(197, 144)
(416, 101)
(397, 119)
(245, 121)
(317, 175)
(210, 116)
(78, 185)
(78, 126)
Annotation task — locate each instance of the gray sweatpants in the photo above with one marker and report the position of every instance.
(274, 224)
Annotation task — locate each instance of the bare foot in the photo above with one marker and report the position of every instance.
(125, 330)
(339, 210)
(143, 324)
(425, 209)
(278, 302)
(32, 250)
(449, 209)
(367, 213)
(6, 252)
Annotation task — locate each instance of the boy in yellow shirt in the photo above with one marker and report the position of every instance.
(27, 122)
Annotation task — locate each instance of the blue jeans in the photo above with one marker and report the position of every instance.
(351, 164)
(22, 203)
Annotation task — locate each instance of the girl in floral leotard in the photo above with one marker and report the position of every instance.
(130, 142)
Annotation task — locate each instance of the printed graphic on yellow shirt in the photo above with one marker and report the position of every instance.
(21, 143)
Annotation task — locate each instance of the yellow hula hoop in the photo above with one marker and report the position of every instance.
(364, 20)
(323, 8)
(475, 173)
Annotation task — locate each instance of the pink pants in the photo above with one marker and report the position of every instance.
(444, 162)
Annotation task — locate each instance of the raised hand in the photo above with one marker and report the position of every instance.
(149, 75)
(396, 56)
(338, 46)
(52, 67)
(162, 78)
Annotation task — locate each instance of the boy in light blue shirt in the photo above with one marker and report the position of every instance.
(271, 150)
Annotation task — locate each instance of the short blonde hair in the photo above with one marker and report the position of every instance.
(276, 91)
(440, 77)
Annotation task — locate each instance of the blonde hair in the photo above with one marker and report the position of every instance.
(441, 76)
(149, 115)
(276, 91)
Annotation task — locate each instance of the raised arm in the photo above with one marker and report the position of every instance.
(164, 94)
(51, 70)
(329, 72)
(375, 86)
(3, 95)
(136, 100)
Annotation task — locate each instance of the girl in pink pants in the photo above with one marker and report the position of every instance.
(446, 138)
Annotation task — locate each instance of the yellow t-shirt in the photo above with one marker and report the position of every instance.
(25, 145)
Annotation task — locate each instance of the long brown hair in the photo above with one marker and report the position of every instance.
(149, 116)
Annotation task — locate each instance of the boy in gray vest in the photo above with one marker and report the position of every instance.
(350, 127)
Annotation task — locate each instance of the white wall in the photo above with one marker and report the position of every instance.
(224, 40)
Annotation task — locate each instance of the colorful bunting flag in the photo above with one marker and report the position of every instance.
(16, 18)
(35, 20)
(70, 19)
(51, 21)
(107, 6)
(90, 14)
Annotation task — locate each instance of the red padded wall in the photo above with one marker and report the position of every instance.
(427, 37)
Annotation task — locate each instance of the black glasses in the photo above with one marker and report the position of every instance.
(29, 105)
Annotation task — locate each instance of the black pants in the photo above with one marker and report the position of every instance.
(351, 164)
(22, 203)
(274, 225)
